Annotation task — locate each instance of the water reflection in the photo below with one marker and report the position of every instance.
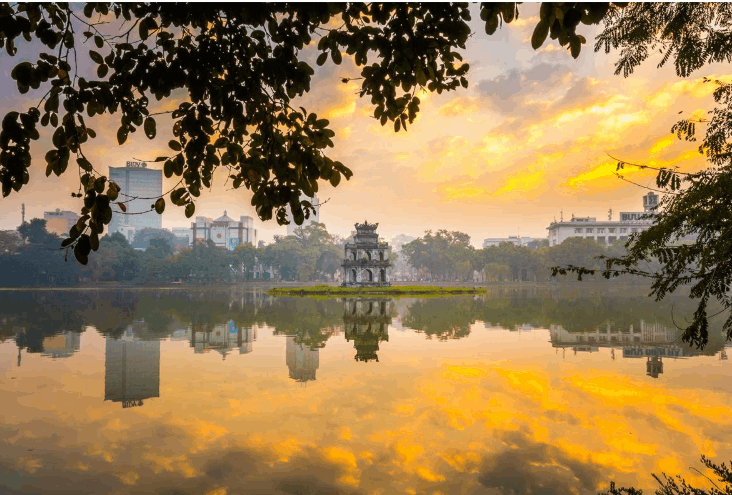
(222, 339)
(62, 345)
(652, 341)
(458, 395)
(302, 361)
(367, 323)
(131, 369)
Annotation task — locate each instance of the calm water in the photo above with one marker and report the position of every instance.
(224, 392)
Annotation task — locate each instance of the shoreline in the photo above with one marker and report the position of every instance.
(394, 290)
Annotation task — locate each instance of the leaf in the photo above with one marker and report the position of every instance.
(96, 57)
(540, 33)
(491, 24)
(122, 207)
(335, 179)
(160, 206)
(121, 134)
(100, 43)
(102, 70)
(174, 145)
(322, 58)
(84, 164)
(94, 241)
(336, 56)
(150, 128)
(190, 210)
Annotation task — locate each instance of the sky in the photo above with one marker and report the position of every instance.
(526, 143)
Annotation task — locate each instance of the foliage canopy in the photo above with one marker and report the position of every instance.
(690, 238)
(242, 67)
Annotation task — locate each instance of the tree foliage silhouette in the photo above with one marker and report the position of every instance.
(695, 205)
(241, 66)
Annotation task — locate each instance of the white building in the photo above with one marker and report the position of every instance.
(605, 231)
(314, 217)
(60, 222)
(224, 231)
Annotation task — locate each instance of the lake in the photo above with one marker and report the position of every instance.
(232, 391)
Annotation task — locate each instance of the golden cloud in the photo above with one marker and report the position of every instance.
(459, 106)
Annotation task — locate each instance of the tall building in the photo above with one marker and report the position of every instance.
(136, 181)
(131, 369)
(314, 217)
(224, 231)
(60, 222)
(605, 231)
(302, 361)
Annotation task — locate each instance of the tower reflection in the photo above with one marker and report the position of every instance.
(366, 322)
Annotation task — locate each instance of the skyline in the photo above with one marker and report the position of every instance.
(506, 152)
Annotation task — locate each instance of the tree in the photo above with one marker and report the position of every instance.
(246, 258)
(679, 486)
(439, 253)
(694, 204)
(242, 67)
(124, 261)
(143, 237)
(34, 232)
(159, 248)
(10, 241)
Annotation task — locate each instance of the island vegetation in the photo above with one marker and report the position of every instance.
(394, 290)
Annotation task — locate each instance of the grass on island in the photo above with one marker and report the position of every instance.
(395, 290)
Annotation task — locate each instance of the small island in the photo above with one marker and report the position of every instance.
(366, 268)
(393, 290)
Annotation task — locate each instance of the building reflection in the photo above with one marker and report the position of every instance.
(651, 341)
(62, 345)
(302, 361)
(223, 339)
(131, 368)
(366, 322)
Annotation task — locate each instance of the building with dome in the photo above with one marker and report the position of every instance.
(366, 262)
(223, 231)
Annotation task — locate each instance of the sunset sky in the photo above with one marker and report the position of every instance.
(528, 139)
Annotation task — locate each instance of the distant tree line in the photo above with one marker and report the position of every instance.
(448, 256)
(34, 259)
